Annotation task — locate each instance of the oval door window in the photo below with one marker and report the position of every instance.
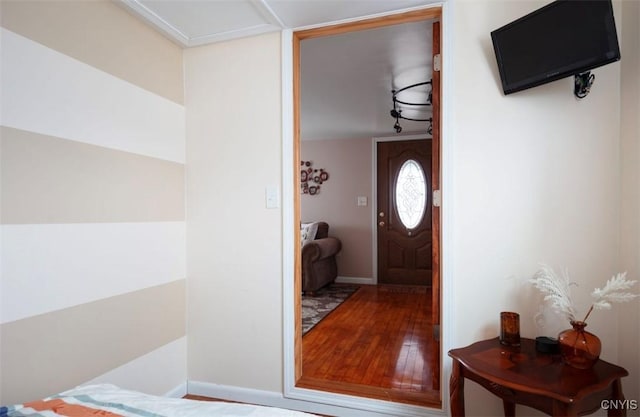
(411, 194)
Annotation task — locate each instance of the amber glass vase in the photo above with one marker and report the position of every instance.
(578, 347)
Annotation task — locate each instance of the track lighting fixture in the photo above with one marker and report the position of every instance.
(396, 112)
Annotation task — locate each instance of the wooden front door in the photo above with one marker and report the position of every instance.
(404, 210)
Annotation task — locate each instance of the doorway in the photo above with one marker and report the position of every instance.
(433, 14)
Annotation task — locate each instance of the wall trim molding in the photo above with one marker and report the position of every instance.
(177, 392)
(355, 280)
(347, 407)
(177, 36)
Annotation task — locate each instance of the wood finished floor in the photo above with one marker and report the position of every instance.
(377, 344)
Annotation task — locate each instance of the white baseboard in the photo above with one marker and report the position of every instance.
(178, 392)
(252, 396)
(276, 399)
(355, 280)
(231, 393)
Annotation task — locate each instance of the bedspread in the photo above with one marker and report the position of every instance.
(107, 400)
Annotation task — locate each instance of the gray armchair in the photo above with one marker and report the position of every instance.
(319, 266)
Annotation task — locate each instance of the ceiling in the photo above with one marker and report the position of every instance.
(346, 79)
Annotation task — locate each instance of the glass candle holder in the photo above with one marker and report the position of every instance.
(510, 328)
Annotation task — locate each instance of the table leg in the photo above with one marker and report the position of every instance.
(509, 408)
(456, 391)
(619, 397)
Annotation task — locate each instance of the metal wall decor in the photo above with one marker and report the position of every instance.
(311, 178)
(396, 112)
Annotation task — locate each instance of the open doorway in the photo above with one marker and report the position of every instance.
(431, 18)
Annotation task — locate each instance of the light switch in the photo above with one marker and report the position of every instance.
(362, 201)
(272, 197)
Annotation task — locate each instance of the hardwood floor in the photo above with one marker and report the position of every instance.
(377, 344)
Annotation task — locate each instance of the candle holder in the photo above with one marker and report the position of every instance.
(510, 328)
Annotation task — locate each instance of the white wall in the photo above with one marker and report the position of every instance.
(536, 178)
(234, 243)
(629, 335)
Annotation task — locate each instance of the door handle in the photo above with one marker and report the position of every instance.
(381, 224)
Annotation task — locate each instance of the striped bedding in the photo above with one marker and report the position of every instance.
(107, 400)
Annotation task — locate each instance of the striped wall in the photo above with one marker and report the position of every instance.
(92, 244)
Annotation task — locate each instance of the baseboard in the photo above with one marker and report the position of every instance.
(178, 392)
(355, 280)
(253, 396)
(231, 393)
(276, 399)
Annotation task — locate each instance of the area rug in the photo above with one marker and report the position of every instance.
(323, 302)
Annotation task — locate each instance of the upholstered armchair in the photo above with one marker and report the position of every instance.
(319, 266)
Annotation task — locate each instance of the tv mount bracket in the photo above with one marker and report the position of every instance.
(583, 83)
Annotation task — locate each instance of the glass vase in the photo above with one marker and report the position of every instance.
(579, 348)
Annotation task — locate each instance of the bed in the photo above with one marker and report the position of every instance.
(108, 400)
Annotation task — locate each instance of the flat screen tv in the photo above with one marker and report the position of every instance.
(563, 38)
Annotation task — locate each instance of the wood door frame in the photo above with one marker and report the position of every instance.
(291, 218)
(374, 192)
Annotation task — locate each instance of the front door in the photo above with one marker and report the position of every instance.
(404, 212)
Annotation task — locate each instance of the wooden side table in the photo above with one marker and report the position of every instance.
(520, 375)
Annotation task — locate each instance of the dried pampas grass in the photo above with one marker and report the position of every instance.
(557, 291)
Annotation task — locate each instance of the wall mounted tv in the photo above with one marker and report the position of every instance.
(563, 38)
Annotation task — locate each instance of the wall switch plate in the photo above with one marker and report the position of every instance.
(362, 201)
(272, 197)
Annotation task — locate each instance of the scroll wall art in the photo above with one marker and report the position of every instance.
(311, 178)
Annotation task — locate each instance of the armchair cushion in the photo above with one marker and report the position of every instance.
(308, 232)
